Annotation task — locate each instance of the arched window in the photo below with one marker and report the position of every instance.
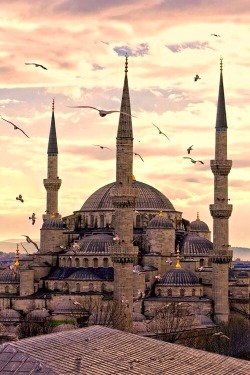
(95, 262)
(63, 262)
(91, 287)
(77, 287)
(56, 286)
(138, 221)
(77, 262)
(113, 221)
(85, 262)
(105, 262)
(102, 221)
(92, 221)
(170, 293)
(158, 292)
(182, 292)
(103, 287)
(66, 287)
(193, 292)
(201, 262)
(7, 289)
(69, 262)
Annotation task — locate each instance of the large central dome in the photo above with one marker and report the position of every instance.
(148, 198)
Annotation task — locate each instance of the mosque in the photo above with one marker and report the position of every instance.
(129, 245)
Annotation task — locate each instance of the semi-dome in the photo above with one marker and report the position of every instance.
(63, 327)
(65, 307)
(38, 314)
(195, 245)
(53, 224)
(148, 198)
(160, 222)
(98, 243)
(198, 225)
(10, 276)
(9, 315)
(178, 277)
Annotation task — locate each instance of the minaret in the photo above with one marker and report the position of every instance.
(52, 183)
(221, 255)
(124, 253)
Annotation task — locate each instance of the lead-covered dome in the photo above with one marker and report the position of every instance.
(148, 198)
(178, 277)
(195, 245)
(198, 225)
(160, 222)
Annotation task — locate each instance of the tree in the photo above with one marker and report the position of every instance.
(29, 328)
(171, 321)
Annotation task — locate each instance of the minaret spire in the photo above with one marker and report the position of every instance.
(123, 195)
(220, 210)
(52, 183)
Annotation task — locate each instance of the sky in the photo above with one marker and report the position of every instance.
(82, 44)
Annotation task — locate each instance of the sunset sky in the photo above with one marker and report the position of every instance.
(83, 43)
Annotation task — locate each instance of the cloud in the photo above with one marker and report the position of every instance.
(189, 45)
(141, 50)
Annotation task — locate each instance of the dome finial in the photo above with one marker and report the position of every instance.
(178, 263)
(161, 213)
(221, 64)
(133, 177)
(198, 217)
(126, 63)
(17, 256)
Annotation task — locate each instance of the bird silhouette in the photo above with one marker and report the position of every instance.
(36, 65)
(196, 77)
(160, 132)
(33, 218)
(189, 149)
(29, 240)
(116, 238)
(217, 35)
(15, 127)
(192, 160)
(135, 153)
(102, 147)
(20, 198)
(102, 112)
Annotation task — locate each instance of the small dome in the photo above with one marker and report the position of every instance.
(82, 273)
(148, 198)
(53, 224)
(65, 307)
(160, 221)
(178, 276)
(38, 315)
(9, 315)
(198, 225)
(10, 276)
(195, 245)
(138, 317)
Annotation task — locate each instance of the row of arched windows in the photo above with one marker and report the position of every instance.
(182, 292)
(85, 262)
(65, 287)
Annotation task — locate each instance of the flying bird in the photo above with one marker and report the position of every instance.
(217, 35)
(160, 132)
(196, 77)
(192, 160)
(36, 65)
(189, 149)
(116, 238)
(15, 127)
(135, 153)
(102, 112)
(33, 218)
(29, 240)
(102, 147)
(20, 198)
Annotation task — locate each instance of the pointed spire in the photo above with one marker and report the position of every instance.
(52, 146)
(221, 119)
(17, 256)
(125, 122)
(198, 217)
(178, 263)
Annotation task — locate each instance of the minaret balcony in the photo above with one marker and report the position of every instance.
(122, 253)
(123, 197)
(221, 256)
(52, 183)
(221, 167)
(221, 210)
